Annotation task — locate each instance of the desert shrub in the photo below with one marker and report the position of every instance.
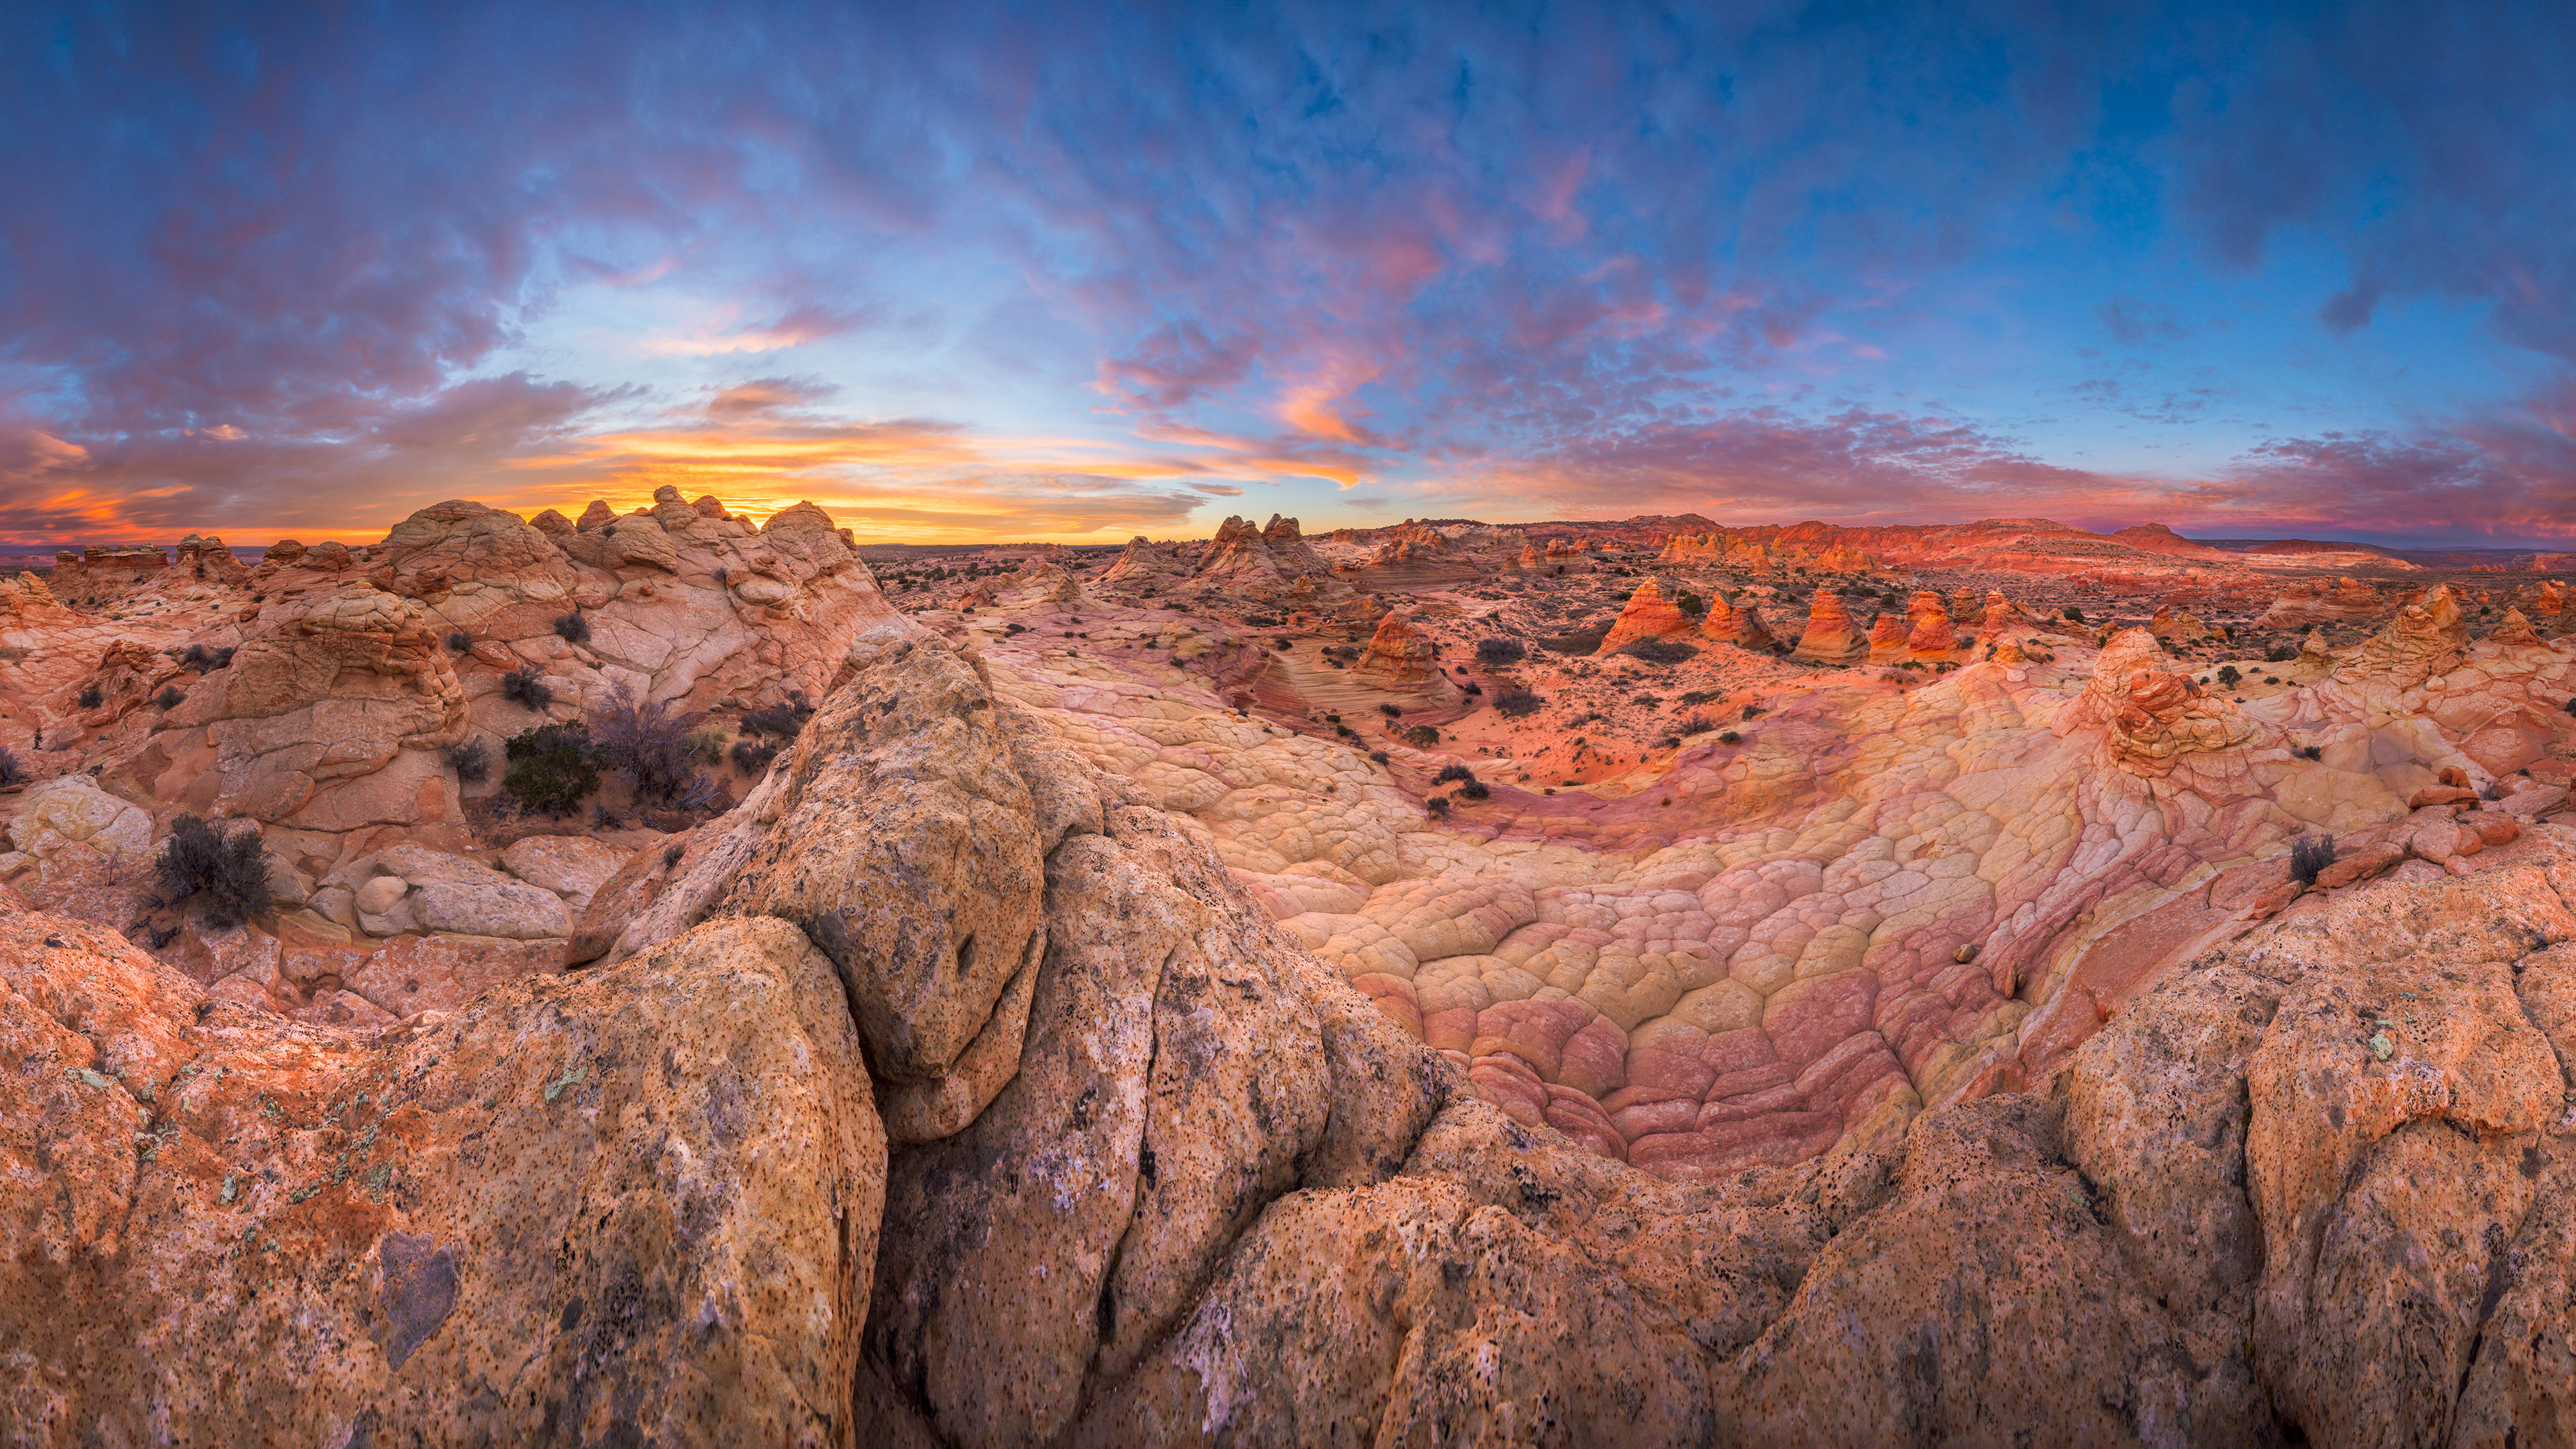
(2571, 706)
(1580, 641)
(1452, 772)
(707, 746)
(1438, 805)
(227, 871)
(1660, 651)
(1694, 723)
(202, 659)
(170, 697)
(646, 743)
(525, 686)
(1517, 702)
(1262, 621)
(458, 641)
(550, 770)
(2072, 614)
(1421, 737)
(2310, 752)
(1346, 732)
(752, 757)
(1471, 688)
(2310, 854)
(1494, 653)
(2229, 676)
(11, 772)
(1691, 604)
(1377, 756)
(1753, 711)
(2279, 654)
(572, 627)
(91, 698)
(471, 761)
(784, 721)
(1700, 696)
(1730, 738)
(1390, 711)
(1475, 790)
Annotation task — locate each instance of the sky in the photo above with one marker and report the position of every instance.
(1081, 272)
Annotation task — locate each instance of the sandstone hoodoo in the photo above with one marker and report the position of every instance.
(666, 973)
(1646, 615)
(1830, 637)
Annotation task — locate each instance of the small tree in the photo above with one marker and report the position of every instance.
(1494, 653)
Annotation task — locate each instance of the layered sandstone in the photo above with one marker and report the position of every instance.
(1830, 636)
(1646, 615)
(1740, 625)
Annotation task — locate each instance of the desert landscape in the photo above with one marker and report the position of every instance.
(1417, 726)
(659, 976)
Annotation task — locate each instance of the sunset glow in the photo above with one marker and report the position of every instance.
(1077, 276)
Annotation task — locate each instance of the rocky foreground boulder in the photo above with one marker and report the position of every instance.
(953, 1090)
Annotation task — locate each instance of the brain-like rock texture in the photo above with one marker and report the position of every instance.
(643, 1206)
(1080, 1034)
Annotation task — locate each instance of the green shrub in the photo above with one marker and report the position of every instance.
(550, 770)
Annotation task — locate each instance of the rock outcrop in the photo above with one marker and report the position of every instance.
(1737, 624)
(1830, 637)
(1647, 615)
(2312, 1179)
(2310, 603)
(1400, 656)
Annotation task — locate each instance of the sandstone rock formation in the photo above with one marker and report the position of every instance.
(1078, 1034)
(1830, 637)
(1400, 656)
(1740, 625)
(1208, 1189)
(2311, 602)
(1931, 637)
(1647, 615)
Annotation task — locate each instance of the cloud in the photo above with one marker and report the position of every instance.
(2134, 321)
(287, 275)
(768, 397)
(2503, 477)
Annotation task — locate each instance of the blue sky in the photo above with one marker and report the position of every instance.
(1082, 272)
